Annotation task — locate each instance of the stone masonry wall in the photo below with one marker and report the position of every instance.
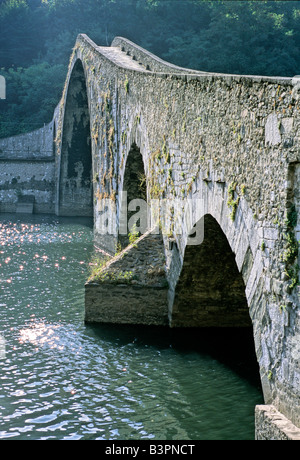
(20, 179)
(37, 144)
(27, 165)
(132, 287)
(271, 425)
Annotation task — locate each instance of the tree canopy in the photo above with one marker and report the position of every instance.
(37, 36)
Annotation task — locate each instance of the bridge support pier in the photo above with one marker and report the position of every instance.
(270, 424)
(131, 288)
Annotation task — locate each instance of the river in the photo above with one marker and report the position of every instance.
(63, 379)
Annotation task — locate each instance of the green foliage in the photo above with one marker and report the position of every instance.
(291, 251)
(290, 254)
(292, 274)
(32, 95)
(97, 265)
(292, 217)
(126, 85)
(282, 308)
(231, 202)
(114, 277)
(133, 235)
(243, 189)
(37, 36)
(98, 272)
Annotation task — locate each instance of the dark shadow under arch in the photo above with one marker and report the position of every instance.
(210, 291)
(75, 185)
(134, 184)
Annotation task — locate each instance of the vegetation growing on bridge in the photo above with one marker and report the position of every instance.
(233, 203)
(221, 36)
(290, 255)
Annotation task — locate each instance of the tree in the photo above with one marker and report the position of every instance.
(37, 37)
(32, 95)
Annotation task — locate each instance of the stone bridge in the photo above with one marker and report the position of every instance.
(207, 167)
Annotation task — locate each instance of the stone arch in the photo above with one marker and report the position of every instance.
(134, 195)
(210, 291)
(239, 239)
(75, 194)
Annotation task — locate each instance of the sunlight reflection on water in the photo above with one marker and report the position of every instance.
(40, 334)
(2, 346)
(62, 379)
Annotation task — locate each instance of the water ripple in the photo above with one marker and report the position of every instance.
(61, 379)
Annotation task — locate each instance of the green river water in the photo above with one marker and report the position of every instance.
(63, 379)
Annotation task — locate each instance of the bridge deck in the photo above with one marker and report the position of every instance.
(120, 58)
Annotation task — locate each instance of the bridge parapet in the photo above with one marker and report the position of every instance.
(149, 60)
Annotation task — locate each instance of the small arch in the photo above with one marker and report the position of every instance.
(210, 291)
(75, 182)
(134, 188)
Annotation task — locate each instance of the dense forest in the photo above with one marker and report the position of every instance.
(37, 36)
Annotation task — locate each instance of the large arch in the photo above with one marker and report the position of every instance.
(210, 291)
(75, 196)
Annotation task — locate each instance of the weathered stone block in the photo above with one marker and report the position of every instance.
(271, 425)
(132, 287)
(126, 304)
(272, 133)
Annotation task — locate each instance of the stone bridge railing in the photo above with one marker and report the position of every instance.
(167, 136)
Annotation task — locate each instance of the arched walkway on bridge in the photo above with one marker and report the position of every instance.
(210, 291)
(75, 181)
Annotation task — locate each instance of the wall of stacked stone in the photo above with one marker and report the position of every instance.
(132, 287)
(35, 144)
(27, 165)
(271, 425)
